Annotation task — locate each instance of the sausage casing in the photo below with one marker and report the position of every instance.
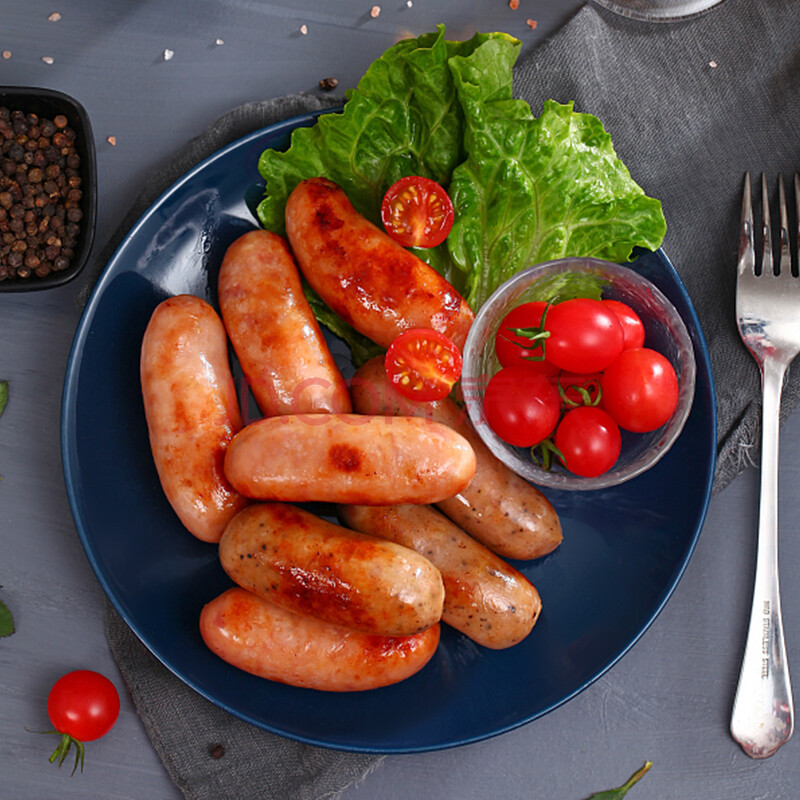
(485, 598)
(311, 566)
(368, 279)
(192, 412)
(349, 458)
(266, 640)
(498, 508)
(277, 340)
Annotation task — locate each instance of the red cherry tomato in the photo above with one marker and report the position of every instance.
(588, 440)
(83, 706)
(521, 406)
(632, 325)
(640, 390)
(423, 364)
(511, 348)
(585, 336)
(417, 212)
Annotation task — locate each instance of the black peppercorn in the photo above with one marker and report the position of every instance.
(41, 194)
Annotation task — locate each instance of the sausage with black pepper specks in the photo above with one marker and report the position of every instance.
(311, 566)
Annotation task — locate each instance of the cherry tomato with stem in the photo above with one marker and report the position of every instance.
(521, 406)
(417, 212)
(585, 336)
(513, 347)
(588, 441)
(423, 364)
(640, 390)
(632, 325)
(83, 705)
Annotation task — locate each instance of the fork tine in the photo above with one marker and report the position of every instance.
(786, 256)
(747, 252)
(766, 239)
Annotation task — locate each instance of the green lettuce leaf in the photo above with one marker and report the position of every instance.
(403, 119)
(535, 189)
(525, 189)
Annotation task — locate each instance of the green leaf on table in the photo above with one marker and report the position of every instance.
(3, 395)
(6, 620)
(620, 792)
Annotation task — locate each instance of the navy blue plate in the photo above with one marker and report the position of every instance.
(624, 548)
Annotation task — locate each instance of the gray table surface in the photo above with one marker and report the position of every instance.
(668, 700)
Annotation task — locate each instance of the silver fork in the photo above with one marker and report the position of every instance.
(768, 315)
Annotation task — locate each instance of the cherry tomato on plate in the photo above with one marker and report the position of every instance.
(521, 406)
(640, 390)
(585, 336)
(83, 706)
(423, 364)
(417, 212)
(512, 348)
(588, 440)
(632, 325)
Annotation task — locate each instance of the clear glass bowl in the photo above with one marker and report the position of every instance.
(664, 332)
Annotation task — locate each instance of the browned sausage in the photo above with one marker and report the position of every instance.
(368, 279)
(280, 347)
(498, 508)
(308, 565)
(485, 598)
(349, 458)
(261, 638)
(192, 412)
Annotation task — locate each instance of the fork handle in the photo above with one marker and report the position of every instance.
(763, 710)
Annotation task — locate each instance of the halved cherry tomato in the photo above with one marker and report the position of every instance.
(589, 441)
(423, 364)
(585, 336)
(417, 212)
(640, 390)
(521, 406)
(83, 705)
(512, 348)
(632, 325)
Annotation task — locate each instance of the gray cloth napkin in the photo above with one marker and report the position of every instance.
(690, 106)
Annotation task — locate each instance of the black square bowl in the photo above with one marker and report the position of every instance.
(47, 104)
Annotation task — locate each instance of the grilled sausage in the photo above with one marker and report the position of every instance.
(349, 458)
(486, 599)
(308, 565)
(280, 347)
(498, 508)
(371, 281)
(192, 412)
(261, 638)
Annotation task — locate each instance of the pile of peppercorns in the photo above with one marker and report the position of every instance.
(40, 194)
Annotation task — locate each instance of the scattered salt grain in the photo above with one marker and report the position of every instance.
(168, 54)
(712, 64)
(374, 11)
(219, 42)
(409, 3)
(48, 60)
(304, 29)
(54, 17)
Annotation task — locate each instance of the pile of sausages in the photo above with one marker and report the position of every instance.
(427, 513)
